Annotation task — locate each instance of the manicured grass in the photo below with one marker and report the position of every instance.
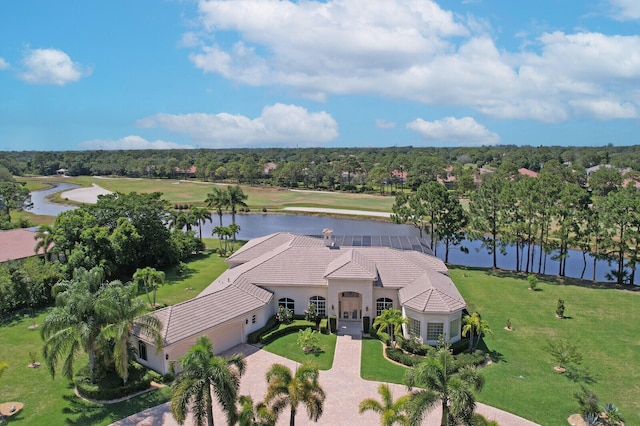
(195, 192)
(287, 347)
(51, 401)
(602, 323)
(374, 366)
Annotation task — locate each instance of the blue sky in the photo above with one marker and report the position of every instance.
(124, 74)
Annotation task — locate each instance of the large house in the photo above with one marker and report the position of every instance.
(349, 278)
(17, 244)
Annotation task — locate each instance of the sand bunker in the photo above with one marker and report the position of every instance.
(85, 195)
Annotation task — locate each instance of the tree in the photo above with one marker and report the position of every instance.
(150, 278)
(255, 414)
(74, 324)
(474, 325)
(486, 211)
(288, 389)
(451, 224)
(564, 353)
(435, 198)
(217, 200)
(455, 391)
(13, 195)
(235, 197)
(391, 320)
(409, 208)
(390, 411)
(223, 233)
(204, 373)
(123, 312)
(44, 238)
(201, 215)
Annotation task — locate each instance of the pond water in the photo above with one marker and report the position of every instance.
(256, 225)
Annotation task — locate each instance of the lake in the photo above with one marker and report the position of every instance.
(256, 225)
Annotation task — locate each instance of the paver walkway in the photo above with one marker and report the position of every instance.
(342, 384)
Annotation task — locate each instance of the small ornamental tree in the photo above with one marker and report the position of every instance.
(533, 281)
(560, 309)
(307, 340)
(312, 315)
(284, 315)
(564, 353)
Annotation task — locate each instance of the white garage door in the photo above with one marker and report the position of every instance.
(226, 337)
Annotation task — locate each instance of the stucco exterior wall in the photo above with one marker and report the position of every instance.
(426, 318)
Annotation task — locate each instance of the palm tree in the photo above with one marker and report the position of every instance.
(202, 373)
(233, 228)
(391, 412)
(201, 216)
(475, 325)
(255, 415)
(45, 239)
(223, 233)
(391, 320)
(73, 325)
(124, 312)
(442, 384)
(235, 197)
(217, 200)
(151, 279)
(285, 388)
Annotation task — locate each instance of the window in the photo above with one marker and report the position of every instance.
(253, 319)
(287, 303)
(434, 330)
(454, 328)
(321, 305)
(414, 328)
(382, 304)
(142, 350)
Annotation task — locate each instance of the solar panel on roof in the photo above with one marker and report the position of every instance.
(393, 241)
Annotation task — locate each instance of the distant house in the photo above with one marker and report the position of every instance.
(350, 282)
(187, 173)
(526, 172)
(17, 244)
(268, 167)
(61, 172)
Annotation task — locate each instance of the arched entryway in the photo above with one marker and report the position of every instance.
(350, 306)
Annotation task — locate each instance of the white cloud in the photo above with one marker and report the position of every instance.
(51, 66)
(605, 109)
(4, 64)
(626, 9)
(453, 131)
(278, 124)
(384, 124)
(130, 142)
(418, 51)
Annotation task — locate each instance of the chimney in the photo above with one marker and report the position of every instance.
(327, 235)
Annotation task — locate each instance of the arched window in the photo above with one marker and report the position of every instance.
(321, 304)
(142, 350)
(287, 303)
(382, 304)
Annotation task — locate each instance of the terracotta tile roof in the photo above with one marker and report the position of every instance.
(17, 244)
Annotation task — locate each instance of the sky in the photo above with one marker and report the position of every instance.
(123, 74)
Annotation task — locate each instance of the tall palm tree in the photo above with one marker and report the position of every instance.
(392, 321)
(217, 200)
(476, 326)
(151, 279)
(255, 414)
(72, 326)
(45, 240)
(223, 233)
(286, 388)
(391, 412)
(235, 197)
(202, 373)
(123, 313)
(441, 384)
(201, 216)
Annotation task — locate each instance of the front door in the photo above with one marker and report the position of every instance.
(350, 306)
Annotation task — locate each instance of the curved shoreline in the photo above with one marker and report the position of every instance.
(85, 195)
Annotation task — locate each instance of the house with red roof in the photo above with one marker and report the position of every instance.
(16, 244)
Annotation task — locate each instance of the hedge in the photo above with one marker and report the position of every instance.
(286, 329)
(476, 358)
(109, 385)
(272, 324)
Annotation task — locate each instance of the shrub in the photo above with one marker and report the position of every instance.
(324, 327)
(475, 359)
(587, 401)
(533, 281)
(284, 315)
(366, 324)
(560, 308)
(109, 385)
(398, 355)
(333, 323)
(460, 346)
(293, 328)
(413, 345)
(254, 337)
(307, 339)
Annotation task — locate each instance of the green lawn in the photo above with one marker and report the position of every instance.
(374, 366)
(51, 401)
(194, 192)
(602, 322)
(287, 347)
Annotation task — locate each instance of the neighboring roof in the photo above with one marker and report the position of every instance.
(18, 244)
(190, 318)
(526, 172)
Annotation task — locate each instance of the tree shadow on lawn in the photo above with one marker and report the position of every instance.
(496, 357)
(315, 351)
(577, 374)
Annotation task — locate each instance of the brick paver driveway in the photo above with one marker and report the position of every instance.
(342, 384)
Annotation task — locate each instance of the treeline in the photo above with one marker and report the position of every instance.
(553, 212)
(328, 168)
